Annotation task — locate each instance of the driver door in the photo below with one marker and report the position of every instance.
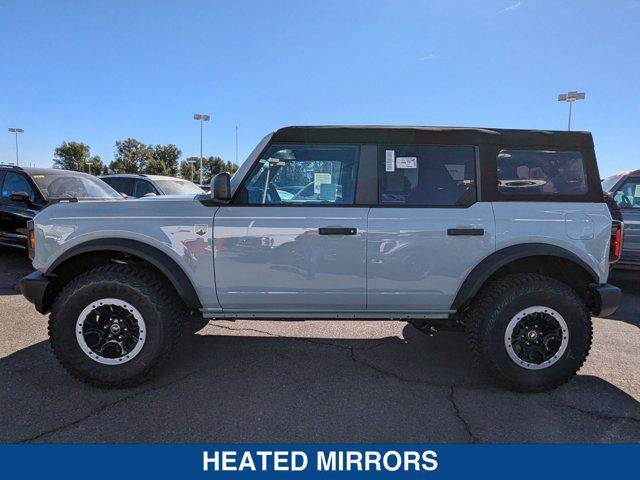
(293, 240)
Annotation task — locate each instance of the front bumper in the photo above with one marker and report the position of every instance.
(609, 300)
(34, 288)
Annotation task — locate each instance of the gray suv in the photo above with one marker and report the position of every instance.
(624, 187)
(501, 233)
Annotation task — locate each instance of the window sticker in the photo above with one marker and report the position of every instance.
(328, 192)
(407, 162)
(637, 194)
(319, 179)
(390, 161)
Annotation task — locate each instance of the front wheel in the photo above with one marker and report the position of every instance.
(115, 325)
(530, 332)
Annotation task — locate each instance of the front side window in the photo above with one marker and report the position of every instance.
(426, 175)
(121, 184)
(15, 183)
(628, 196)
(303, 174)
(541, 172)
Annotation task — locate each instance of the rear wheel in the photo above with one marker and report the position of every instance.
(531, 333)
(115, 325)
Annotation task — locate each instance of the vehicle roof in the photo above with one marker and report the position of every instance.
(625, 172)
(434, 135)
(43, 171)
(137, 175)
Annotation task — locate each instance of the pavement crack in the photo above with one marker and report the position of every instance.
(102, 408)
(602, 416)
(451, 397)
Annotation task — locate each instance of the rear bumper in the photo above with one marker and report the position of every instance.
(609, 300)
(34, 288)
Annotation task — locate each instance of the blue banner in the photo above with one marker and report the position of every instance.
(257, 461)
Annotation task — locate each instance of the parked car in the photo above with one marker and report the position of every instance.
(503, 233)
(624, 187)
(26, 191)
(138, 186)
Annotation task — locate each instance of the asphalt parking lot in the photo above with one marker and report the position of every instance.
(314, 382)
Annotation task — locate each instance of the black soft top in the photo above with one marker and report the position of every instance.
(432, 135)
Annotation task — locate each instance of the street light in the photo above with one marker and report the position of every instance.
(17, 131)
(570, 97)
(201, 118)
(192, 162)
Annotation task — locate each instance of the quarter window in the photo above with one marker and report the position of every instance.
(303, 174)
(629, 195)
(541, 172)
(426, 175)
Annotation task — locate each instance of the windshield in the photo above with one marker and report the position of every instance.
(178, 187)
(609, 182)
(61, 185)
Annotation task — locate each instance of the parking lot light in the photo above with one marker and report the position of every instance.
(571, 97)
(201, 118)
(17, 131)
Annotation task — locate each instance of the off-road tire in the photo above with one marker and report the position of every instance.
(497, 303)
(162, 310)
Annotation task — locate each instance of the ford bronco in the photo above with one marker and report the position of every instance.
(502, 233)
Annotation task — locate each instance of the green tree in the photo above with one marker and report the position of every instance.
(167, 155)
(131, 156)
(77, 156)
(214, 165)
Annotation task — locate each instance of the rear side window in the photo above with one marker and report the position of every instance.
(541, 172)
(426, 175)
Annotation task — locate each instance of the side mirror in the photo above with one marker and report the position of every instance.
(221, 187)
(19, 197)
(150, 194)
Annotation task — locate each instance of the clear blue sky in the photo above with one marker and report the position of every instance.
(100, 71)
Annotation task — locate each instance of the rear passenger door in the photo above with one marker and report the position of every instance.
(428, 230)
(628, 199)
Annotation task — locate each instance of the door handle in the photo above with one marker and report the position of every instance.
(474, 232)
(337, 231)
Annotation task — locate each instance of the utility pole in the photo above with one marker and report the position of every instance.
(17, 131)
(236, 145)
(201, 118)
(570, 98)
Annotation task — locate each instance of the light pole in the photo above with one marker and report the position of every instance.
(202, 118)
(570, 98)
(193, 167)
(17, 131)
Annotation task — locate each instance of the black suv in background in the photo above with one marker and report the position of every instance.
(26, 191)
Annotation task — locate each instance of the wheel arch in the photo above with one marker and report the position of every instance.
(550, 260)
(101, 251)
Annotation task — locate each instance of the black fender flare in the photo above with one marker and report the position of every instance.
(160, 260)
(491, 264)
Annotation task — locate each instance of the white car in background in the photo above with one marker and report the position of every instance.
(138, 186)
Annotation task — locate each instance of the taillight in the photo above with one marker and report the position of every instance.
(615, 249)
(31, 239)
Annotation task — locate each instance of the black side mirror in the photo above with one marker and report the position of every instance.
(19, 197)
(221, 187)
